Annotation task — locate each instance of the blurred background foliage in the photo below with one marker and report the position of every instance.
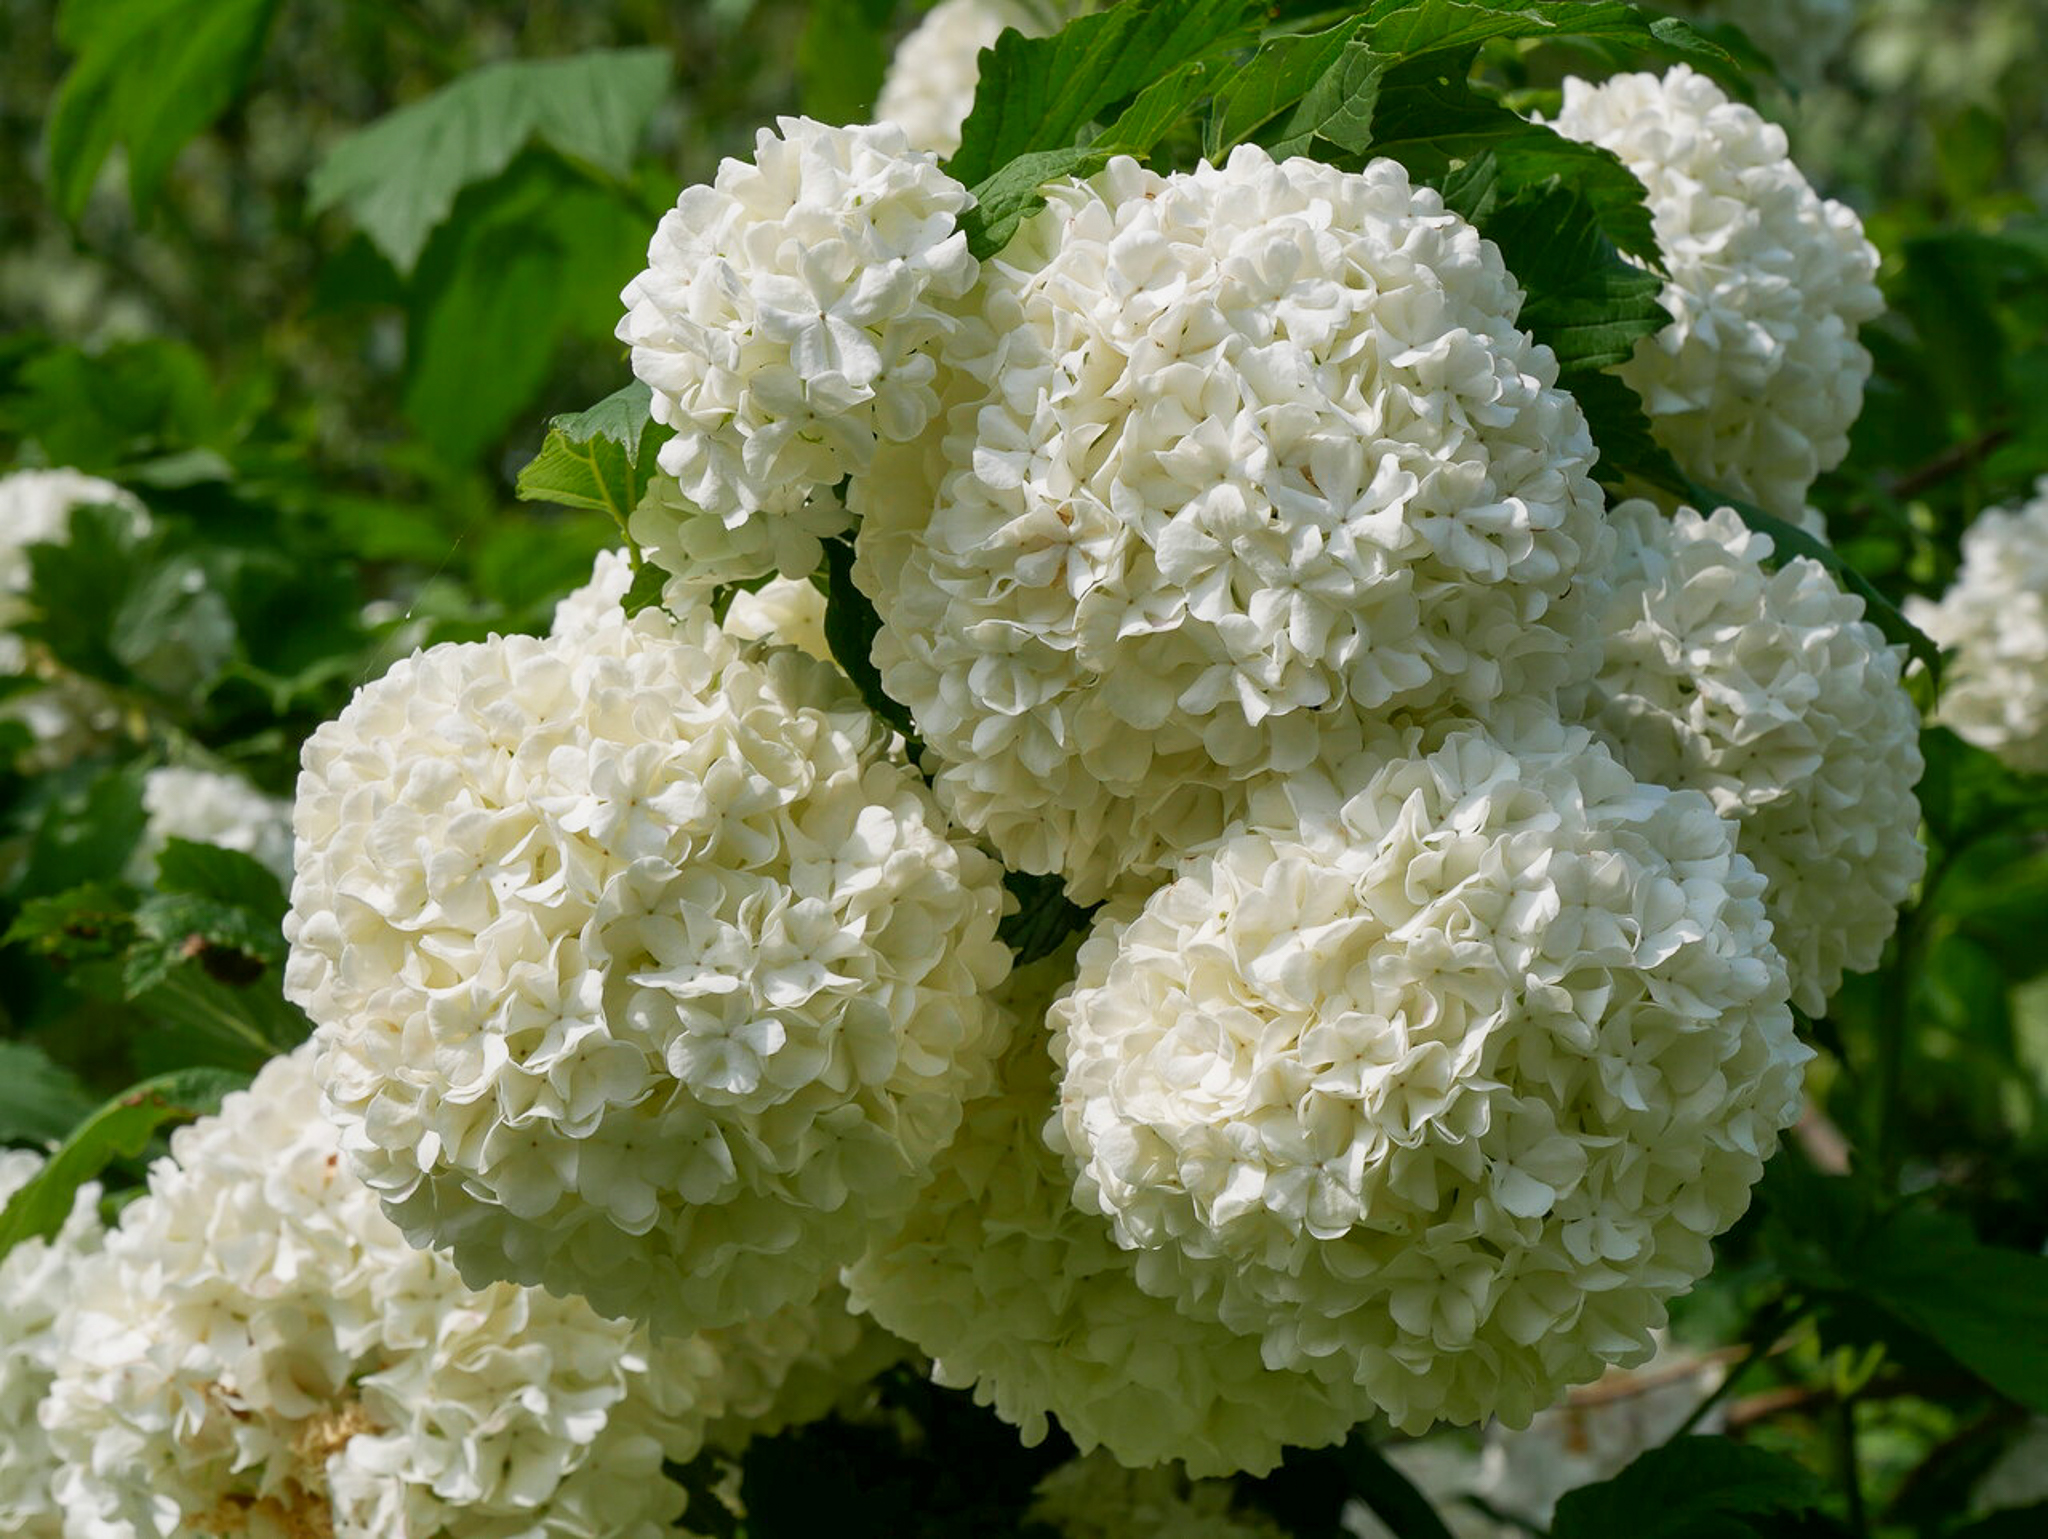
(311, 278)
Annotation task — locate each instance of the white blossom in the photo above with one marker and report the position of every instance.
(1770, 692)
(1440, 1089)
(787, 612)
(208, 807)
(1756, 381)
(1096, 1498)
(930, 84)
(786, 324)
(35, 1283)
(1240, 460)
(646, 972)
(1994, 622)
(1017, 1294)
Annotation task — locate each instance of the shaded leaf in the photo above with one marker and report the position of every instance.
(40, 1101)
(1045, 916)
(850, 628)
(1279, 76)
(1690, 1488)
(600, 459)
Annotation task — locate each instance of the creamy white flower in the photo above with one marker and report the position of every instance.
(1755, 383)
(795, 1366)
(786, 324)
(599, 602)
(210, 808)
(35, 1284)
(1994, 622)
(929, 88)
(646, 971)
(787, 612)
(258, 1352)
(1441, 1089)
(1242, 459)
(1769, 691)
(1096, 1498)
(1020, 1296)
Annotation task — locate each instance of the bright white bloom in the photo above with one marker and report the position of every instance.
(210, 808)
(796, 1366)
(1770, 692)
(785, 611)
(258, 1352)
(786, 323)
(35, 1283)
(1994, 617)
(929, 88)
(1443, 1089)
(1244, 457)
(1028, 1301)
(1097, 1498)
(646, 973)
(598, 603)
(1754, 385)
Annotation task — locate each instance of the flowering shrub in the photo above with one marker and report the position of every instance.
(1217, 757)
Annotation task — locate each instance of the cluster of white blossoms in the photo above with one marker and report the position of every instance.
(782, 611)
(646, 972)
(787, 324)
(208, 807)
(257, 1350)
(1769, 691)
(1754, 385)
(1439, 1092)
(1236, 460)
(1096, 1498)
(1994, 622)
(36, 1280)
(930, 83)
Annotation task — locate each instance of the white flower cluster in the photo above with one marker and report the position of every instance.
(782, 611)
(36, 1279)
(1994, 621)
(1441, 1092)
(929, 88)
(646, 972)
(257, 1350)
(1755, 383)
(207, 807)
(1237, 457)
(1769, 691)
(1015, 1292)
(1097, 1498)
(786, 324)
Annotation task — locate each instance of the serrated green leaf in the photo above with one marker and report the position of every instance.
(1338, 108)
(400, 177)
(85, 834)
(1277, 78)
(600, 459)
(40, 1101)
(1689, 1488)
(851, 625)
(649, 585)
(149, 74)
(1045, 916)
(92, 922)
(1012, 195)
(120, 1129)
(225, 876)
(1414, 28)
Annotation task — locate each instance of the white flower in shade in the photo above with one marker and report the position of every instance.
(1097, 1498)
(210, 808)
(1243, 458)
(35, 1284)
(1440, 1090)
(1017, 1294)
(796, 1366)
(258, 1351)
(786, 324)
(1755, 383)
(1994, 622)
(1770, 692)
(929, 88)
(784, 535)
(786, 612)
(646, 972)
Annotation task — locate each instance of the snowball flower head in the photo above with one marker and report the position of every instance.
(1770, 692)
(1994, 618)
(1097, 1498)
(1440, 1090)
(211, 808)
(1756, 381)
(929, 88)
(1243, 458)
(646, 972)
(1017, 1294)
(783, 611)
(786, 323)
(35, 1283)
(258, 1351)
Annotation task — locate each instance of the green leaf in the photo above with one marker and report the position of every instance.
(1691, 1488)
(1012, 195)
(149, 74)
(93, 922)
(231, 945)
(1284, 71)
(121, 1129)
(650, 585)
(1045, 916)
(400, 177)
(1393, 1498)
(222, 876)
(40, 1101)
(600, 459)
(85, 833)
(2012, 1523)
(1338, 108)
(1414, 28)
(841, 58)
(851, 625)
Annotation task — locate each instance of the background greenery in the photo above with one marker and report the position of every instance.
(311, 279)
